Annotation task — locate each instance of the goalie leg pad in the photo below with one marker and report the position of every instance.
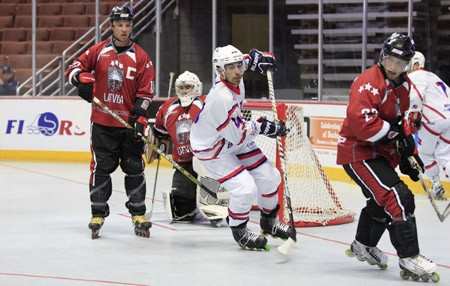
(183, 192)
(100, 189)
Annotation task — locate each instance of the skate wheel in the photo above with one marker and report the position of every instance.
(425, 278)
(95, 234)
(141, 233)
(349, 253)
(415, 277)
(382, 266)
(404, 275)
(435, 277)
(215, 222)
(267, 248)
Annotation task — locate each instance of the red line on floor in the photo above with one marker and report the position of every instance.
(346, 243)
(71, 279)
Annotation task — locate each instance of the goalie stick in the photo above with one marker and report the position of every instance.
(291, 241)
(154, 147)
(441, 215)
(154, 186)
(171, 75)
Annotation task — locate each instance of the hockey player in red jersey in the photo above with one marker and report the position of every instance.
(120, 74)
(371, 137)
(173, 120)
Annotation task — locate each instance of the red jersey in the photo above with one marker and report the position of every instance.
(176, 121)
(119, 78)
(374, 103)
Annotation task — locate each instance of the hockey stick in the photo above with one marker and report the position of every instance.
(290, 242)
(154, 186)
(171, 75)
(442, 216)
(154, 147)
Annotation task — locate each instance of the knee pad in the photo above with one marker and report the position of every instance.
(100, 189)
(135, 188)
(403, 236)
(406, 198)
(132, 166)
(105, 165)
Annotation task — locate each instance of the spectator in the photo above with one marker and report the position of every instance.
(8, 83)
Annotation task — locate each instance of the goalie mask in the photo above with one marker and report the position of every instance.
(187, 87)
(223, 56)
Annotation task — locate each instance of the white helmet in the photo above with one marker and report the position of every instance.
(226, 55)
(418, 58)
(187, 87)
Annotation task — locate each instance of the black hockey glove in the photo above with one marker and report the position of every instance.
(407, 169)
(85, 85)
(272, 129)
(393, 134)
(138, 118)
(261, 62)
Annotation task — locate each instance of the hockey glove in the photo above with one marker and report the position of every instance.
(414, 120)
(407, 169)
(272, 129)
(394, 133)
(138, 118)
(261, 62)
(85, 86)
(406, 145)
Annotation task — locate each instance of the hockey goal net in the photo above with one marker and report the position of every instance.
(314, 201)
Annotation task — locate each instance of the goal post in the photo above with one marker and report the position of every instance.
(314, 201)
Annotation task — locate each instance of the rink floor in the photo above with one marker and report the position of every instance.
(44, 212)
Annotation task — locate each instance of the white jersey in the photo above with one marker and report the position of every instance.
(220, 124)
(430, 95)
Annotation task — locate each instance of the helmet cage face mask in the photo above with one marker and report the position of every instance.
(187, 87)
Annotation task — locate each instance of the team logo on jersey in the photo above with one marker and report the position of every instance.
(367, 86)
(115, 76)
(183, 128)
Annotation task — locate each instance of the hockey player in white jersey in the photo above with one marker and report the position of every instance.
(224, 142)
(430, 109)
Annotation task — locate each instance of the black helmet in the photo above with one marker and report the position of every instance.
(400, 46)
(121, 13)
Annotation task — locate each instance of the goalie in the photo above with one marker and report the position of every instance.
(173, 122)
